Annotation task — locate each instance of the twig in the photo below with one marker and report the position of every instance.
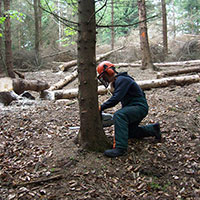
(40, 181)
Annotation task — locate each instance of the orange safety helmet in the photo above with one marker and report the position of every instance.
(105, 67)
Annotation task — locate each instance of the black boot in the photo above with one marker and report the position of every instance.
(115, 152)
(157, 132)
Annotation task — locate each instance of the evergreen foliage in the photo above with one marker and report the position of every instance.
(186, 14)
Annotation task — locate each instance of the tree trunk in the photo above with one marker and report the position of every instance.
(144, 43)
(20, 85)
(1, 55)
(91, 134)
(112, 22)
(8, 42)
(173, 19)
(145, 85)
(37, 31)
(164, 24)
(178, 71)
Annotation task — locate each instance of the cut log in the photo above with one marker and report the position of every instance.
(20, 85)
(66, 94)
(177, 72)
(167, 64)
(66, 66)
(164, 82)
(64, 81)
(7, 97)
(145, 85)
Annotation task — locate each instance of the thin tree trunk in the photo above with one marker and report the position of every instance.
(174, 20)
(164, 24)
(91, 134)
(1, 56)
(112, 30)
(144, 43)
(59, 25)
(37, 31)
(8, 42)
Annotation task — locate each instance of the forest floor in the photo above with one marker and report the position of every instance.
(39, 159)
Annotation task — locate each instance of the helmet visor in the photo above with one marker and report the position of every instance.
(103, 80)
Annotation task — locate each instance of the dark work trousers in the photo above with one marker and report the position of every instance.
(126, 123)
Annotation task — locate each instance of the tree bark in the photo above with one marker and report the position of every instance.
(145, 85)
(164, 25)
(8, 42)
(177, 72)
(37, 30)
(112, 22)
(7, 97)
(144, 43)
(1, 55)
(67, 65)
(20, 85)
(91, 135)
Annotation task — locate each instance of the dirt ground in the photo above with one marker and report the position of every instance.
(39, 160)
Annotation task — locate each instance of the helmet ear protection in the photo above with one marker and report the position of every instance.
(110, 70)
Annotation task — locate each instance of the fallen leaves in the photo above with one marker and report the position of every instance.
(38, 159)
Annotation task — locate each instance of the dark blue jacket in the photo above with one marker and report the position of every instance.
(126, 91)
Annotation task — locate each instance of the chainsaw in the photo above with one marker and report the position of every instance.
(107, 121)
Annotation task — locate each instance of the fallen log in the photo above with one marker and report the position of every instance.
(164, 82)
(64, 81)
(145, 85)
(166, 64)
(10, 88)
(177, 72)
(67, 65)
(20, 85)
(71, 77)
(66, 94)
(7, 97)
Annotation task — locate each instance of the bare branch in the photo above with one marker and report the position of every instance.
(127, 25)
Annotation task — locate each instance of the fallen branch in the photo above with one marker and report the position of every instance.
(19, 74)
(145, 85)
(177, 72)
(40, 181)
(66, 66)
(64, 81)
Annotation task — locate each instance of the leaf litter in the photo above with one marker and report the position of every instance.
(39, 159)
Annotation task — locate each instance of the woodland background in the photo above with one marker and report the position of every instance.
(33, 46)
